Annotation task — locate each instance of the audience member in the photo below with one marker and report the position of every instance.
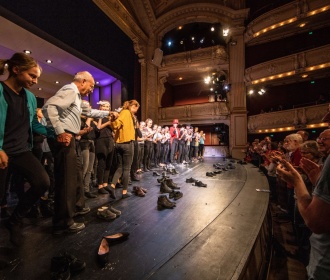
(315, 208)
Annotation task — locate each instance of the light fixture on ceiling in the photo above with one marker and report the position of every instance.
(49, 61)
(27, 51)
(225, 32)
(262, 91)
(251, 91)
(304, 76)
(212, 28)
(57, 82)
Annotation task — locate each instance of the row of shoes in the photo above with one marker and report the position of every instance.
(106, 242)
(108, 214)
(139, 191)
(196, 182)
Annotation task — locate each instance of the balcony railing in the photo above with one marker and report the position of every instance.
(298, 118)
(212, 112)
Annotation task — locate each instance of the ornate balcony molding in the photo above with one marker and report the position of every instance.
(298, 118)
(213, 112)
(216, 55)
(273, 23)
(289, 66)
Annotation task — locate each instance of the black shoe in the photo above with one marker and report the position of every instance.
(102, 191)
(59, 269)
(16, 236)
(34, 212)
(126, 195)
(112, 191)
(82, 211)
(217, 172)
(163, 202)
(176, 195)
(116, 238)
(75, 227)
(65, 265)
(200, 184)
(47, 208)
(210, 174)
(155, 173)
(103, 253)
(191, 180)
(90, 195)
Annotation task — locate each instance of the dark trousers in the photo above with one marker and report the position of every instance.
(147, 154)
(28, 166)
(134, 166)
(69, 189)
(105, 150)
(165, 151)
(125, 157)
(140, 155)
(174, 149)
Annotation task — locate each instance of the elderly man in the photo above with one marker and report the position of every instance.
(62, 112)
(314, 209)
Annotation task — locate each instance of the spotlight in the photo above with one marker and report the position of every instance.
(225, 32)
(169, 43)
(251, 91)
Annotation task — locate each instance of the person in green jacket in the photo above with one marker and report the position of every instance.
(18, 121)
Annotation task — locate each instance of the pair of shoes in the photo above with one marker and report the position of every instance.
(200, 184)
(105, 214)
(164, 202)
(75, 227)
(90, 195)
(15, 230)
(126, 195)
(210, 174)
(81, 211)
(191, 180)
(65, 265)
(139, 191)
(104, 248)
(155, 173)
(102, 191)
(176, 195)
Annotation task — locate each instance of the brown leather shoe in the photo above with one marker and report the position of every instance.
(138, 191)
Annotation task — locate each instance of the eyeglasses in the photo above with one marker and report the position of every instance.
(322, 139)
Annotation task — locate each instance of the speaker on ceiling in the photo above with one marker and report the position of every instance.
(158, 57)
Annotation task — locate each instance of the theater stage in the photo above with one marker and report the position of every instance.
(218, 232)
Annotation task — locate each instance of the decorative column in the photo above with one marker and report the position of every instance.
(237, 98)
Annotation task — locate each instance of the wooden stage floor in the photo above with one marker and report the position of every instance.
(208, 235)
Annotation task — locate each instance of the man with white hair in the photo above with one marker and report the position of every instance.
(62, 112)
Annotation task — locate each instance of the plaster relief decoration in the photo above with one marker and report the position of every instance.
(195, 112)
(299, 117)
(161, 89)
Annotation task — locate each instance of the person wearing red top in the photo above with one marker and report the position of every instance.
(174, 132)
